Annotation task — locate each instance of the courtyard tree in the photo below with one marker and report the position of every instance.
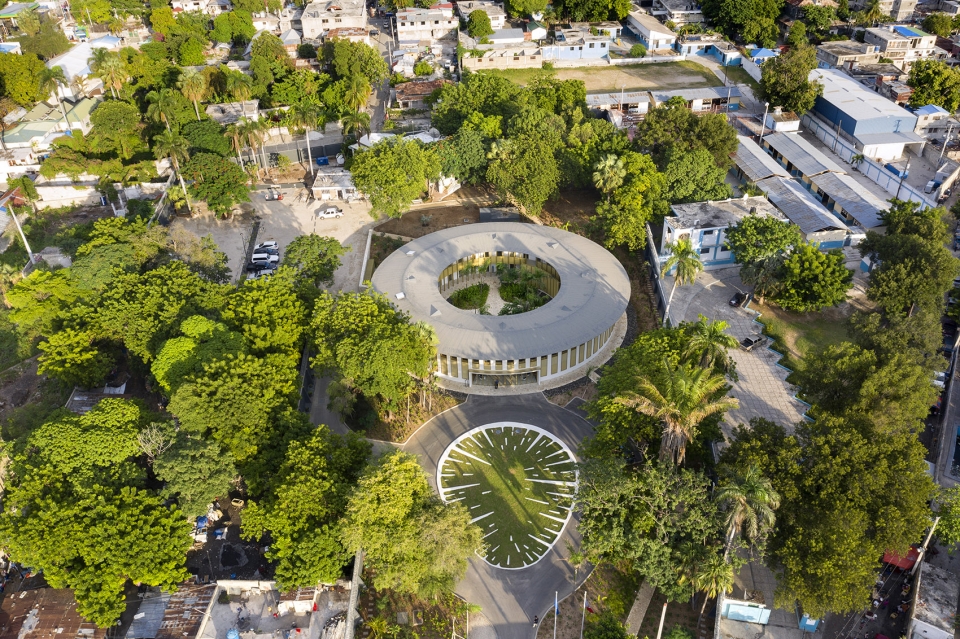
(811, 280)
(414, 542)
(686, 261)
(393, 173)
(784, 80)
(524, 171)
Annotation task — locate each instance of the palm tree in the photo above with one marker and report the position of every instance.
(236, 137)
(714, 576)
(194, 87)
(750, 501)
(872, 14)
(608, 174)
(358, 92)
(176, 147)
(108, 66)
(355, 122)
(307, 117)
(162, 105)
(688, 265)
(709, 342)
(51, 80)
(680, 398)
(857, 159)
(253, 132)
(240, 86)
(688, 558)
(763, 276)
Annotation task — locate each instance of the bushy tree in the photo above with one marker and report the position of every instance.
(304, 506)
(478, 24)
(934, 82)
(315, 258)
(938, 23)
(758, 237)
(693, 177)
(415, 543)
(393, 173)
(116, 129)
(351, 58)
(811, 280)
(746, 20)
(464, 155)
(217, 181)
(18, 77)
(524, 171)
(75, 507)
(370, 344)
(673, 125)
(784, 80)
(74, 358)
(195, 472)
(638, 201)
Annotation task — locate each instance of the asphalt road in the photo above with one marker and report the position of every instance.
(509, 598)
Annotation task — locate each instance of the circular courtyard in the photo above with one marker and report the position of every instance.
(567, 294)
(518, 483)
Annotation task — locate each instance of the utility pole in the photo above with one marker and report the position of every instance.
(945, 143)
(903, 177)
(663, 617)
(763, 124)
(923, 548)
(583, 618)
(23, 237)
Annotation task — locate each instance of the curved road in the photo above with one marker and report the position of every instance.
(509, 598)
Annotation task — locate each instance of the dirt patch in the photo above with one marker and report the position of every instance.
(18, 385)
(587, 392)
(398, 426)
(667, 75)
(423, 221)
(684, 615)
(382, 246)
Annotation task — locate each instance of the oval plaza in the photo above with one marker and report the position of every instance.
(588, 286)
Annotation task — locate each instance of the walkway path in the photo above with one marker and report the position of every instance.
(762, 387)
(509, 598)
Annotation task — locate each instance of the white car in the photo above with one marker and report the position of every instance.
(269, 244)
(329, 212)
(264, 257)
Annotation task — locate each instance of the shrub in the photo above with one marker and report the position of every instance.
(638, 51)
(422, 68)
(472, 297)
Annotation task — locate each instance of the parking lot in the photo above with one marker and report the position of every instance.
(283, 221)
(762, 388)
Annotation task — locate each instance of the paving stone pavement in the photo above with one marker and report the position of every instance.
(762, 387)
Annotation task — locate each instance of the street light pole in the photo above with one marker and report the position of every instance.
(763, 125)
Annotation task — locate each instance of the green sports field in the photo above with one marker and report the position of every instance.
(518, 485)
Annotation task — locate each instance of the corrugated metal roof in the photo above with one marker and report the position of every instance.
(800, 205)
(861, 204)
(594, 290)
(756, 163)
(626, 97)
(704, 93)
(801, 154)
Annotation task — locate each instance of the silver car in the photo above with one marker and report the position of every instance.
(329, 212)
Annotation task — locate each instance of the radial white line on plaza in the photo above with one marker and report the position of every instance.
(564, 461)
(490, 533)
(539, 435)
(562, 521)
(476, 519)
(554, 454)
(453, 488)
(482, 461)
(545, 503)
(552, 481)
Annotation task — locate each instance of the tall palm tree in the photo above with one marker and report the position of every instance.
(161, 105)
(680, 397)
(51, 80)
(688, 558)
(709, 342)
(236, 137)
(714, 576)
(108, 66)
(240, 86)
(194, 87)
(750, 500)
(688, 265)
(872, 13)
(355, 122)
(358, 92)
(253, 132)
(177, 148)
(307, 117)
(609, 174)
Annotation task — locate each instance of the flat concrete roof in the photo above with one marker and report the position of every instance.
(720, 213)
(594, 290)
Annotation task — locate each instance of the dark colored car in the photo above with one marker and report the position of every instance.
(260, 266)
(740, 299)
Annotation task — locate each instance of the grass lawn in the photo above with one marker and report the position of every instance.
(518, 486)
(471, 297)
(739, 76)
(664, 75)
(800, 334)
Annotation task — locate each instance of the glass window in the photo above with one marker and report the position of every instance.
(704, 251)
(563, 361)
(555, 363)
(543, 367)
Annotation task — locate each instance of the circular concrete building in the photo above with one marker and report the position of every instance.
(588, 290)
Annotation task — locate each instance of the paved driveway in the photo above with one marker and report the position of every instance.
(509, 598)
(284, 221)
(762, 388)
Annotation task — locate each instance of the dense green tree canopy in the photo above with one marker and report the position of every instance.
(415, 543)
(525, 171)
(934, 82)
(756, 238)
(478, 24)
(393, 173)
(745, 20)
(350, 58)
(217, 181)
(811, 280)
(303, 510)
(784, 80)
(693, 177)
